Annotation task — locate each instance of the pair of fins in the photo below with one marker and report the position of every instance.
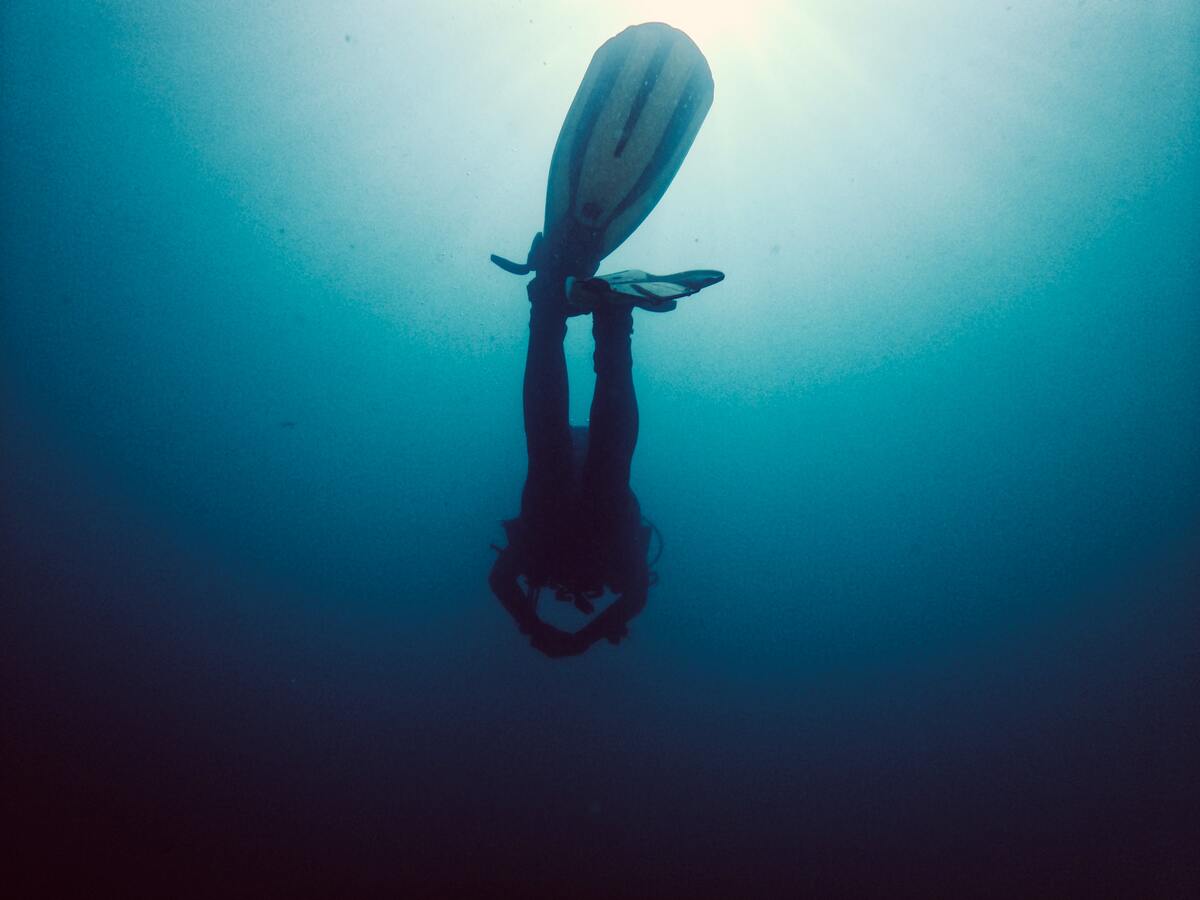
(634, 118)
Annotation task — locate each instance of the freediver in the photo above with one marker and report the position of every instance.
(580, 524)
(580, 529)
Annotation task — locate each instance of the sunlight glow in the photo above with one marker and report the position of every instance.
(709, 24)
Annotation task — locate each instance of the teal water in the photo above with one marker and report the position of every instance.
(927, 463)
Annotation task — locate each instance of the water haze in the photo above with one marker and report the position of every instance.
(926, 464)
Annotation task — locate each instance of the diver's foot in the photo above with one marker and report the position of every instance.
(547, 299)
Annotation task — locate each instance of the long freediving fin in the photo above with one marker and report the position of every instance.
(638, 109)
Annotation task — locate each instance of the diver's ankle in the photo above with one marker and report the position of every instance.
(612, 321)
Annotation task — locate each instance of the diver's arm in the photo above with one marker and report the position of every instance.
(503, 582)
(545, 638)
(610, 625)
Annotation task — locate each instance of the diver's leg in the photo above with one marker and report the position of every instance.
(613, 431)
(612, 508)
(547, 427)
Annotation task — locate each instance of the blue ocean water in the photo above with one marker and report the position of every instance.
(926, 465)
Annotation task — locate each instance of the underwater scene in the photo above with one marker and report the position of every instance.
(632, 449)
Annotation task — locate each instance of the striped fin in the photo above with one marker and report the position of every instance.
(633, 120)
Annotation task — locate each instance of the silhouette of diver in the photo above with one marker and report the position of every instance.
(580, 525)
(638, 109)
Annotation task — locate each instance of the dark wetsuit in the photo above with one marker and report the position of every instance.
(580, 524)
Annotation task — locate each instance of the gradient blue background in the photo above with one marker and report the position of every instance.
(927, 464)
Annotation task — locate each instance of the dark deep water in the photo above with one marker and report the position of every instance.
(927, 464)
